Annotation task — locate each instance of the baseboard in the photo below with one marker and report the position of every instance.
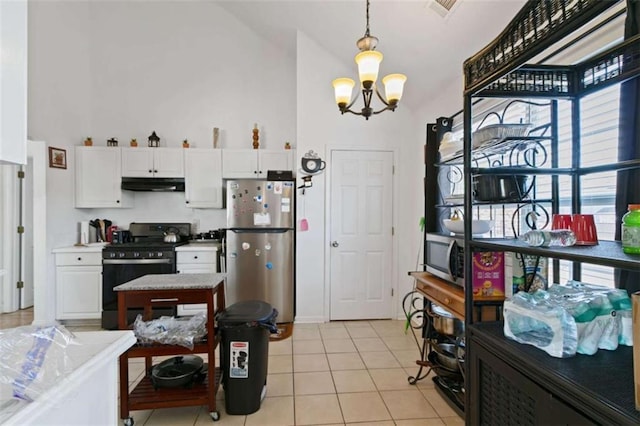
(309, 320)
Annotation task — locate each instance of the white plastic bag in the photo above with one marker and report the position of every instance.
(183, 331)
(32, 359)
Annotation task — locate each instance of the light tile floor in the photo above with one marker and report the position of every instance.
(337, 373)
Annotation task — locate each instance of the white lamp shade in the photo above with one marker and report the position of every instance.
(343, 89)
(368, 65)
(393, 86)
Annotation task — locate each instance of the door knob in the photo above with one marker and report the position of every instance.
(335, 244)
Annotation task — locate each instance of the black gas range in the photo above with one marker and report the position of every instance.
(147, 253)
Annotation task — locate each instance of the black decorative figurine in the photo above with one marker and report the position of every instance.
(112, 142)
(154, 140)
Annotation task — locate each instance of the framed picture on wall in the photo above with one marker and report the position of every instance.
(57, 158)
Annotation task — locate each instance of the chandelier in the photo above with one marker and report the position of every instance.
(368, 61)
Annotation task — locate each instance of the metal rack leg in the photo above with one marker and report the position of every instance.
(422, 363)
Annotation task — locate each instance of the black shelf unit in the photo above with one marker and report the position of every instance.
(604, 396)
(505, 378)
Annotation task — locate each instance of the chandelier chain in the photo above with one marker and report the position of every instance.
(366, 33)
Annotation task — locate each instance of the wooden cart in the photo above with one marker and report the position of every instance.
(156, 291)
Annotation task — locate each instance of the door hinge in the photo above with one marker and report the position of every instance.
(20, 229)
(393, 231)
(20, 174)
(391, 292)
(393, 170)
(20, 284)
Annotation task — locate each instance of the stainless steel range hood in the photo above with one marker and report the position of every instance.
(153, 184)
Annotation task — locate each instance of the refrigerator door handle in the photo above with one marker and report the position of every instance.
(260, 230)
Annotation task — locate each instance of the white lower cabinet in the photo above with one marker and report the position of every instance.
(195, 261)
(78, 285)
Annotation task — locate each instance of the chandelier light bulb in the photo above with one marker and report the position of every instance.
(393, 87)
(368, 65)
(343, 88)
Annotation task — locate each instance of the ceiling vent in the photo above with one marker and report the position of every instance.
(443, 7)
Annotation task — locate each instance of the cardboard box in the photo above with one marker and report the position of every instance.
(541, 271)
(488, 274)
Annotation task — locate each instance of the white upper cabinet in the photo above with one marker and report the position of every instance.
(13, 82)
(152, 162)
(98, 178)
(254, 163)
(203, 178)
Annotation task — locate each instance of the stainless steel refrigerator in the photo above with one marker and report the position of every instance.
(260, 243)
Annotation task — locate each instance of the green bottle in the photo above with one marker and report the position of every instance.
(631, 230)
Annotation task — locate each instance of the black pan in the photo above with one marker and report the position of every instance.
(179, 371)
(500, 188)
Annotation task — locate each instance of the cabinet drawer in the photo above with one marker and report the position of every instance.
(70, 259)
(441, 293)
(446, 299)
(197, 257)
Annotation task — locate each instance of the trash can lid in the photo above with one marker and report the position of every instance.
(248, 311)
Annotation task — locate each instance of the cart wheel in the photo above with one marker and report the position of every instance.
(128, 421)
(215, 415)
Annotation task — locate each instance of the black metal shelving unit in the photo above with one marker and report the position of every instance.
(504, 378)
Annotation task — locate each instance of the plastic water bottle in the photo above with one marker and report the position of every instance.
(556, 237)
(631, 230)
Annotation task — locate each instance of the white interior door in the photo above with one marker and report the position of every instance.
(27, 265)
(361, 234)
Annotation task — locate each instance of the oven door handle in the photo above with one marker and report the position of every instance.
(134, 261)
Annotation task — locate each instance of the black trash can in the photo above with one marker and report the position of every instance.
(245, 329)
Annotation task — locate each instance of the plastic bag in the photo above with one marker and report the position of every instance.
(532, 319)
(607, 321)
(32, 360)
(184, 331)
(602, 317)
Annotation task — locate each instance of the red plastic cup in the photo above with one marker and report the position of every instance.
(584, 226)
(561, 221)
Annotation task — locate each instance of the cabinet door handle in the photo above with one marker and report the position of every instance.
(79, 259)
(187, 201)
(447, 300)
(195, 257)
(150, 171)
(117, 201)
(155, 171)
(255, 172)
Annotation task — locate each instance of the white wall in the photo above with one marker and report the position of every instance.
(124, 69)
(320, 128)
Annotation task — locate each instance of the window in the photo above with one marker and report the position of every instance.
(599, 145)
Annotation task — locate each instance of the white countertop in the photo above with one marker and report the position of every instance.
(200, 246)
(63, 402)
(97, 247)
(88, 248)
(172, 282)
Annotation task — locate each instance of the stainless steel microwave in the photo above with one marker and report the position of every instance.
(445, 257)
